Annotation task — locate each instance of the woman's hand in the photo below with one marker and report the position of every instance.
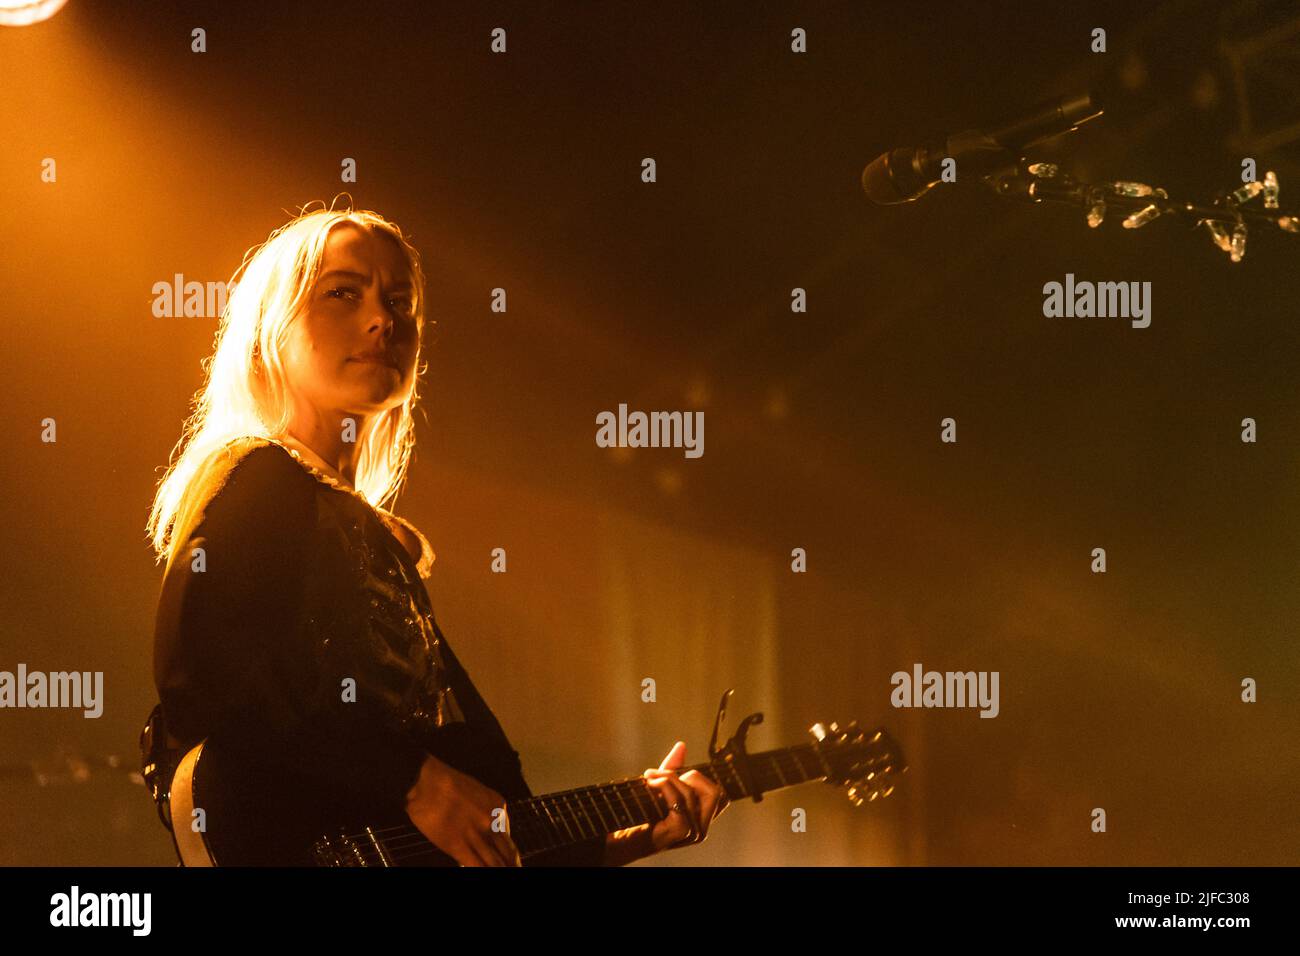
(697, 800)
(454, 811)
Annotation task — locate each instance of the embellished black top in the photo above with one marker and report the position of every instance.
(291, 584)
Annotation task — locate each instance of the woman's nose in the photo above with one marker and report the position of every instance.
(380, 316)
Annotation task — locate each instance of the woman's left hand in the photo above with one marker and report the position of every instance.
(697, 800)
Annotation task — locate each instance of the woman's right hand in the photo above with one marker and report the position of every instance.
(454, 811)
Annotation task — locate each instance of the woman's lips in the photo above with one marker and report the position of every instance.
(376, 360)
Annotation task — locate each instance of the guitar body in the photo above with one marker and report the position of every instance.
(257, 815)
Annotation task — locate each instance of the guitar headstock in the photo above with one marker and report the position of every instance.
(866, 762)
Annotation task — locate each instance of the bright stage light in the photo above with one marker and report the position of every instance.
(19, 13)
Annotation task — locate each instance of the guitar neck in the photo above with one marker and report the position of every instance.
(864, 763)
(554, 820)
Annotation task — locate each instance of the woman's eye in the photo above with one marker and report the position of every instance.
(340, 289)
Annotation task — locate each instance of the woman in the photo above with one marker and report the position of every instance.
(287, 580)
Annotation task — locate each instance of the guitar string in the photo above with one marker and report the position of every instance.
(567, 805)
(419, 847)
(529, 828)
(412, 844)
(411, 839)
(563, 801)
(415, 844)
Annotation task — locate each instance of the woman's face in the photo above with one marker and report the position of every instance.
(353, 350)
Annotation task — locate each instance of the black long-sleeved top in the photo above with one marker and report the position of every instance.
(303, 584)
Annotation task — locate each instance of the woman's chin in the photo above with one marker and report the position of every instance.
(370, 401)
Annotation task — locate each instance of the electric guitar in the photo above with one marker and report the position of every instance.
(247, 819)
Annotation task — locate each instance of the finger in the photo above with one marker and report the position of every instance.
(707, 793)
(690, 784)
(506, 848)
(495, 841)
(692, 803)
(661, 789)
(676, 757)
(676, 790)
(724, 799)
(513, 856)
(470, 855)
(669, 791)
(490, 847)
(713, 798)
(669, 787)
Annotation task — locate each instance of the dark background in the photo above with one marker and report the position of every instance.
(1118, 690)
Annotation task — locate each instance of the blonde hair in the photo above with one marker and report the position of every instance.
(247, 391)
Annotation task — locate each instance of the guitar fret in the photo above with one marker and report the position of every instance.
(590, 800)
(641, 792)
(793, 768)
(587, 805)
(740, 784)
(538, 811)
(557, 801)
(636, 811)
(818, 763)
(531, 831)
(798, 767)
(776, 765)
(623, 815)
(798, 757)
(613, 813)
(630, 815)
(555, 820)
(580, 815)
(571, 818)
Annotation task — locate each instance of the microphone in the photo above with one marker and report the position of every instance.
(902, 175)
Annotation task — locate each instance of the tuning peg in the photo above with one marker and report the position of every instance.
(818, 731)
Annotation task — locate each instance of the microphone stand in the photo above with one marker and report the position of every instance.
(1225, 220)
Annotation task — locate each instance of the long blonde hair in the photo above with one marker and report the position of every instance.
(247, 391)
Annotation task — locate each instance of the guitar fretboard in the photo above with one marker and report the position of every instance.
(553, 820)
